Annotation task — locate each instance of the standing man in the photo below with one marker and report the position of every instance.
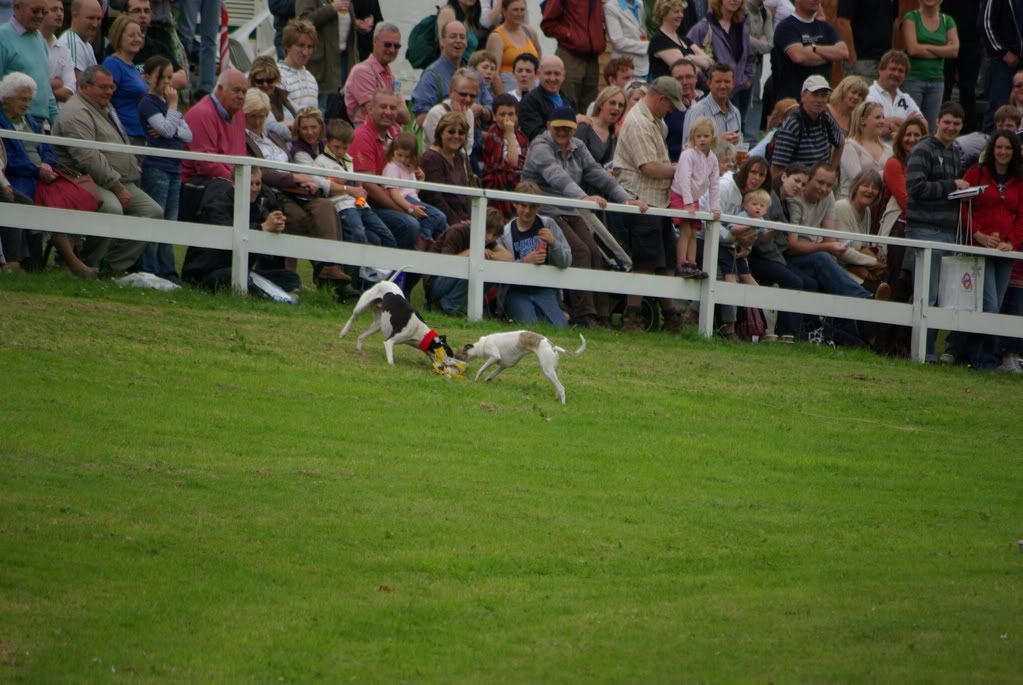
(373, 74)
(329, 63)
(578, 28)
(865, 27)
(1001, 23)
(62, 71)
(86, 18)
(23, 48)
(435, 82)
(89, 116)
(804, 45)
(646, 172)
(208, 12)
(898, 105)
(684, 72)
(933, 171)
(717, 106)
(368, 152)
(537, 105)
(810, 134)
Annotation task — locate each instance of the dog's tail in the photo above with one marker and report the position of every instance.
(582, 348)
(398, 272)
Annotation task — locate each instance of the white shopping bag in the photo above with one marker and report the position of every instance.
(961, 285)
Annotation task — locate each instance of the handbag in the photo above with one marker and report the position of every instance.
(64, 193)
(751, 323)
(961, 282)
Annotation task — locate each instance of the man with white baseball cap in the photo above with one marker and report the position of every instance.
(809, 134)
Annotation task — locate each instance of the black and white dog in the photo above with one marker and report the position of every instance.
(399, 322)
(506, 349)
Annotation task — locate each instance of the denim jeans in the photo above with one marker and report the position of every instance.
(751, 117)
(434, 223)
(829, 276)
(209, 28)
(1012, 304)
(165, 189)
(529, 304)
(402, 226)
(362, 225)
(983, 350)
(768, 273)
(999, 88)
(927, 95)
(450, 294)
(909, 262)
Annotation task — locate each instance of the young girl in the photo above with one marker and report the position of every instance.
(697, 173)
(403, 164)
(161, 176)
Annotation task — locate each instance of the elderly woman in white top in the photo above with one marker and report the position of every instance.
(626, 29)
(864, 149)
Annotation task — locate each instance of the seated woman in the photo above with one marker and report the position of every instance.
(533, 239)
(864, 149)
(446, 162)
(264, 75)
(600, 134)
(307, 211)
(853, 214)
(31, 165)
(210, 268)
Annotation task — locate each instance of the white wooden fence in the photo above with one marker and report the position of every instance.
(477, 270)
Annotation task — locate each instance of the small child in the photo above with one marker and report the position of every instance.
(359, 223)
(161, 176)
(504, 150)
(403, 164)
(697, 172)
(732, 260)
(450, 293)
(486, 66)
(534, 239)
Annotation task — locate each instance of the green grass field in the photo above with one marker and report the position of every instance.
(205, 489)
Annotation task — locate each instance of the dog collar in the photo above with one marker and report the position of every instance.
(424, 344)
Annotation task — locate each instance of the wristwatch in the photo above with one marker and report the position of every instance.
(813, 46)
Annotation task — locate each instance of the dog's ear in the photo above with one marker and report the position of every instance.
(467, 347)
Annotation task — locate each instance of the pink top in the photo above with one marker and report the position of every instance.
(695, 175)
(402, 173)
(366, 78)
(213, 133)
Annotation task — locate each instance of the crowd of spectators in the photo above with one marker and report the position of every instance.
(869, 119)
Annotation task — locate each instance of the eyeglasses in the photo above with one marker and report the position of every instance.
(388, 45)
(466, 94)
(456, 132)
(264, 81)
(39, 11)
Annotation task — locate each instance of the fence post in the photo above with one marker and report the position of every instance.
(240, 230)
(921, 296)
(477, 242)
(711, 240)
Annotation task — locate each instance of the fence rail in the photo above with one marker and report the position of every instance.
(477, 270)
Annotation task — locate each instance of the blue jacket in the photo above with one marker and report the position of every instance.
(21, 172)
(720, 50)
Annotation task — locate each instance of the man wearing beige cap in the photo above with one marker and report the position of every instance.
(810, 134)
(645, 170)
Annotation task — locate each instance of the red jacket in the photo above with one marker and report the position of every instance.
(995, 211)
(577, 26)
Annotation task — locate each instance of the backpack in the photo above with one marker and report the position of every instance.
(423, 48)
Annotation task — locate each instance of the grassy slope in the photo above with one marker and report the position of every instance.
(200, 489)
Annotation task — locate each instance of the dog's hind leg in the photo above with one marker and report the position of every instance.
(552, 375)
(493, 374)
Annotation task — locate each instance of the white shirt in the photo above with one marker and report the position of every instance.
(780, 9)
(901, 106)
(61, 64)
(303, 91)
(82, 55)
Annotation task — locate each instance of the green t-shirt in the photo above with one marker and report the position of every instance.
(930, 68)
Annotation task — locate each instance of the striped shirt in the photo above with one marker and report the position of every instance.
(801, 139)
(82, 54)
(303, 91)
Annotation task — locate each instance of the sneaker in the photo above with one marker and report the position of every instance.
(695, 273)
(883, 292)
(770, 338)
(787, 339)
(632, 320)
(683, 270)
(1009, 366)
(947, 358)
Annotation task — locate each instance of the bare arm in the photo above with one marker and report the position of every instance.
(844, 28)
(658, 169)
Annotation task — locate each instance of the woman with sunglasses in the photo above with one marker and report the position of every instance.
(462, 95)
(264, 75)
(447, 162)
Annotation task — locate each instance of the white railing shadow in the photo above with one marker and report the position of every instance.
(477, 270)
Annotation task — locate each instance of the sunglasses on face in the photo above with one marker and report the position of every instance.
(388, 45)
(263, 81)
(465, 94)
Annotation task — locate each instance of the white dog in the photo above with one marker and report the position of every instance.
(399, 322)
(506, 349)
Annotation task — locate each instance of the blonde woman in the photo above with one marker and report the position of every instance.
(850, 92)
(668, 44)
(864, 149)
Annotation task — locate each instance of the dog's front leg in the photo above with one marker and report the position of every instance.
(389, 350)
(486, 365)
(373, 328)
